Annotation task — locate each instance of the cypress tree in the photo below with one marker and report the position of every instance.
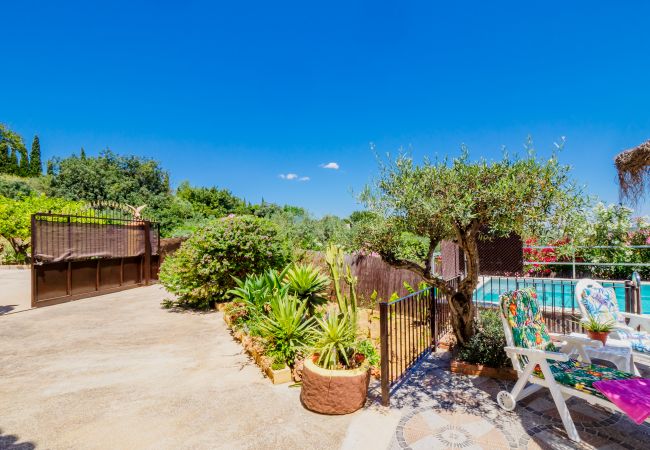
(23, 165)
(50, 167)
(82, 154)
(35, 165)
(13, 168)
(4, 156)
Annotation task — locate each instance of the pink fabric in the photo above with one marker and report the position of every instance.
(632, 396)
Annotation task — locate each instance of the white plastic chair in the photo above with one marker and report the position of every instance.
(525, 360)
(627, 323)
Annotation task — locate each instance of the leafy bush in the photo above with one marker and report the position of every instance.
(486, 346)
(206, 266)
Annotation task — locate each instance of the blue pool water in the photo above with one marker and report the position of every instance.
(557, 293)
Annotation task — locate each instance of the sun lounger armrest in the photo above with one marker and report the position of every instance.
(534, 353)
(575, 340)
(638, 320)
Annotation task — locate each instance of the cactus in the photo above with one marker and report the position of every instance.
(336, 262)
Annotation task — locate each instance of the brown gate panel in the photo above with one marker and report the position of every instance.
(84, 277)
(75, 256)
(52, 280)
(131, 271)
(110, 274)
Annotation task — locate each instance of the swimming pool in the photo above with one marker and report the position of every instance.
(558, 293)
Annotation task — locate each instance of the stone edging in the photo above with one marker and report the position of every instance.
(276, 376)
(481, 370)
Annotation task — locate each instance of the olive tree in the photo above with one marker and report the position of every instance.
(464, 201)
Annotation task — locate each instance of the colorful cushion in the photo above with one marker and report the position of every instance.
(639, 341)
(582, 376)
(524, 316)
(601, 304)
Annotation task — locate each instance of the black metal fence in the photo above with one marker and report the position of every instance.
(407, 333)
(411, 327)
(556, 296)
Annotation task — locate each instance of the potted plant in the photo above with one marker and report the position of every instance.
(596, 329)
(335, 378)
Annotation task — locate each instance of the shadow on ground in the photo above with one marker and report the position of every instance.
(11, 442)
(441, 409)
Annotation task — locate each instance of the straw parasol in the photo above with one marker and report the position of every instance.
(633, 167)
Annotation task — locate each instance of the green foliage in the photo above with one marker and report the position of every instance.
(15, 187)
(35, 165)
(286, 328)
(201, 272)
(487, 345)
(369, 352)
(336, 340)
(412, 247)
(13, 153)
(15, 218)
(123, 179)
(459, 199)
(593, 323)
(335, 259)
(307, 283)
(212, 202)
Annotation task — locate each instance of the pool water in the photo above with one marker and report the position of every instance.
(556, 293)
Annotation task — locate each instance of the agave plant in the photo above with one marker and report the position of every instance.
(336, 340)
(286, 328)
(307, 283)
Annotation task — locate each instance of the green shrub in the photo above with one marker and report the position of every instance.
(204, 269)
(286, 328)
(307, 283)
(486, 346)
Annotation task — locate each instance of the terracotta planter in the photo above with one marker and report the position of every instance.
(598, 336)
(464, 368)
(333, 391)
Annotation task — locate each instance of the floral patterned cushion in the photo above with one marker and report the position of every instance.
(601, 304)
(582, 376)
(524, 316)
(639, 340)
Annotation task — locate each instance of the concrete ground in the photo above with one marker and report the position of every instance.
(15, 294)
(117, 371)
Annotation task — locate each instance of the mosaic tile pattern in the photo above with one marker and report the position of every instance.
(442, 410)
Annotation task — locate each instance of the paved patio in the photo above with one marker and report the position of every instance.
(443, 410)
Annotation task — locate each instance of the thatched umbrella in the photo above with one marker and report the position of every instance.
(633, 167)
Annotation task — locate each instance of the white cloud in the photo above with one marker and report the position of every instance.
(288, 176)
(330, 165)
(304, 179)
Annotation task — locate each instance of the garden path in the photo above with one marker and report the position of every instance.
(117, 371)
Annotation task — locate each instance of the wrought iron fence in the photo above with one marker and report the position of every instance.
(406, 336)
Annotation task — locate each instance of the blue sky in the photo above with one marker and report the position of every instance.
(234, 94)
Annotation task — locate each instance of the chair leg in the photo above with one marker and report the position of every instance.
(521, 382)
(560, 404)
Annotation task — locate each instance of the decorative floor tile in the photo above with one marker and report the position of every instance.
(448, 411)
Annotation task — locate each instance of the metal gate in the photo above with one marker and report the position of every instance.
(76, 256)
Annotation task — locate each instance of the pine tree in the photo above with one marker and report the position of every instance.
(82, 154)
(35, 165)
(12, 167)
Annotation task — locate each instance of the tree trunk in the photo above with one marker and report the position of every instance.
(461, 304)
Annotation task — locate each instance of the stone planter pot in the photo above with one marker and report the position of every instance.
(464, 368)
(333, 391)
(598, 336)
